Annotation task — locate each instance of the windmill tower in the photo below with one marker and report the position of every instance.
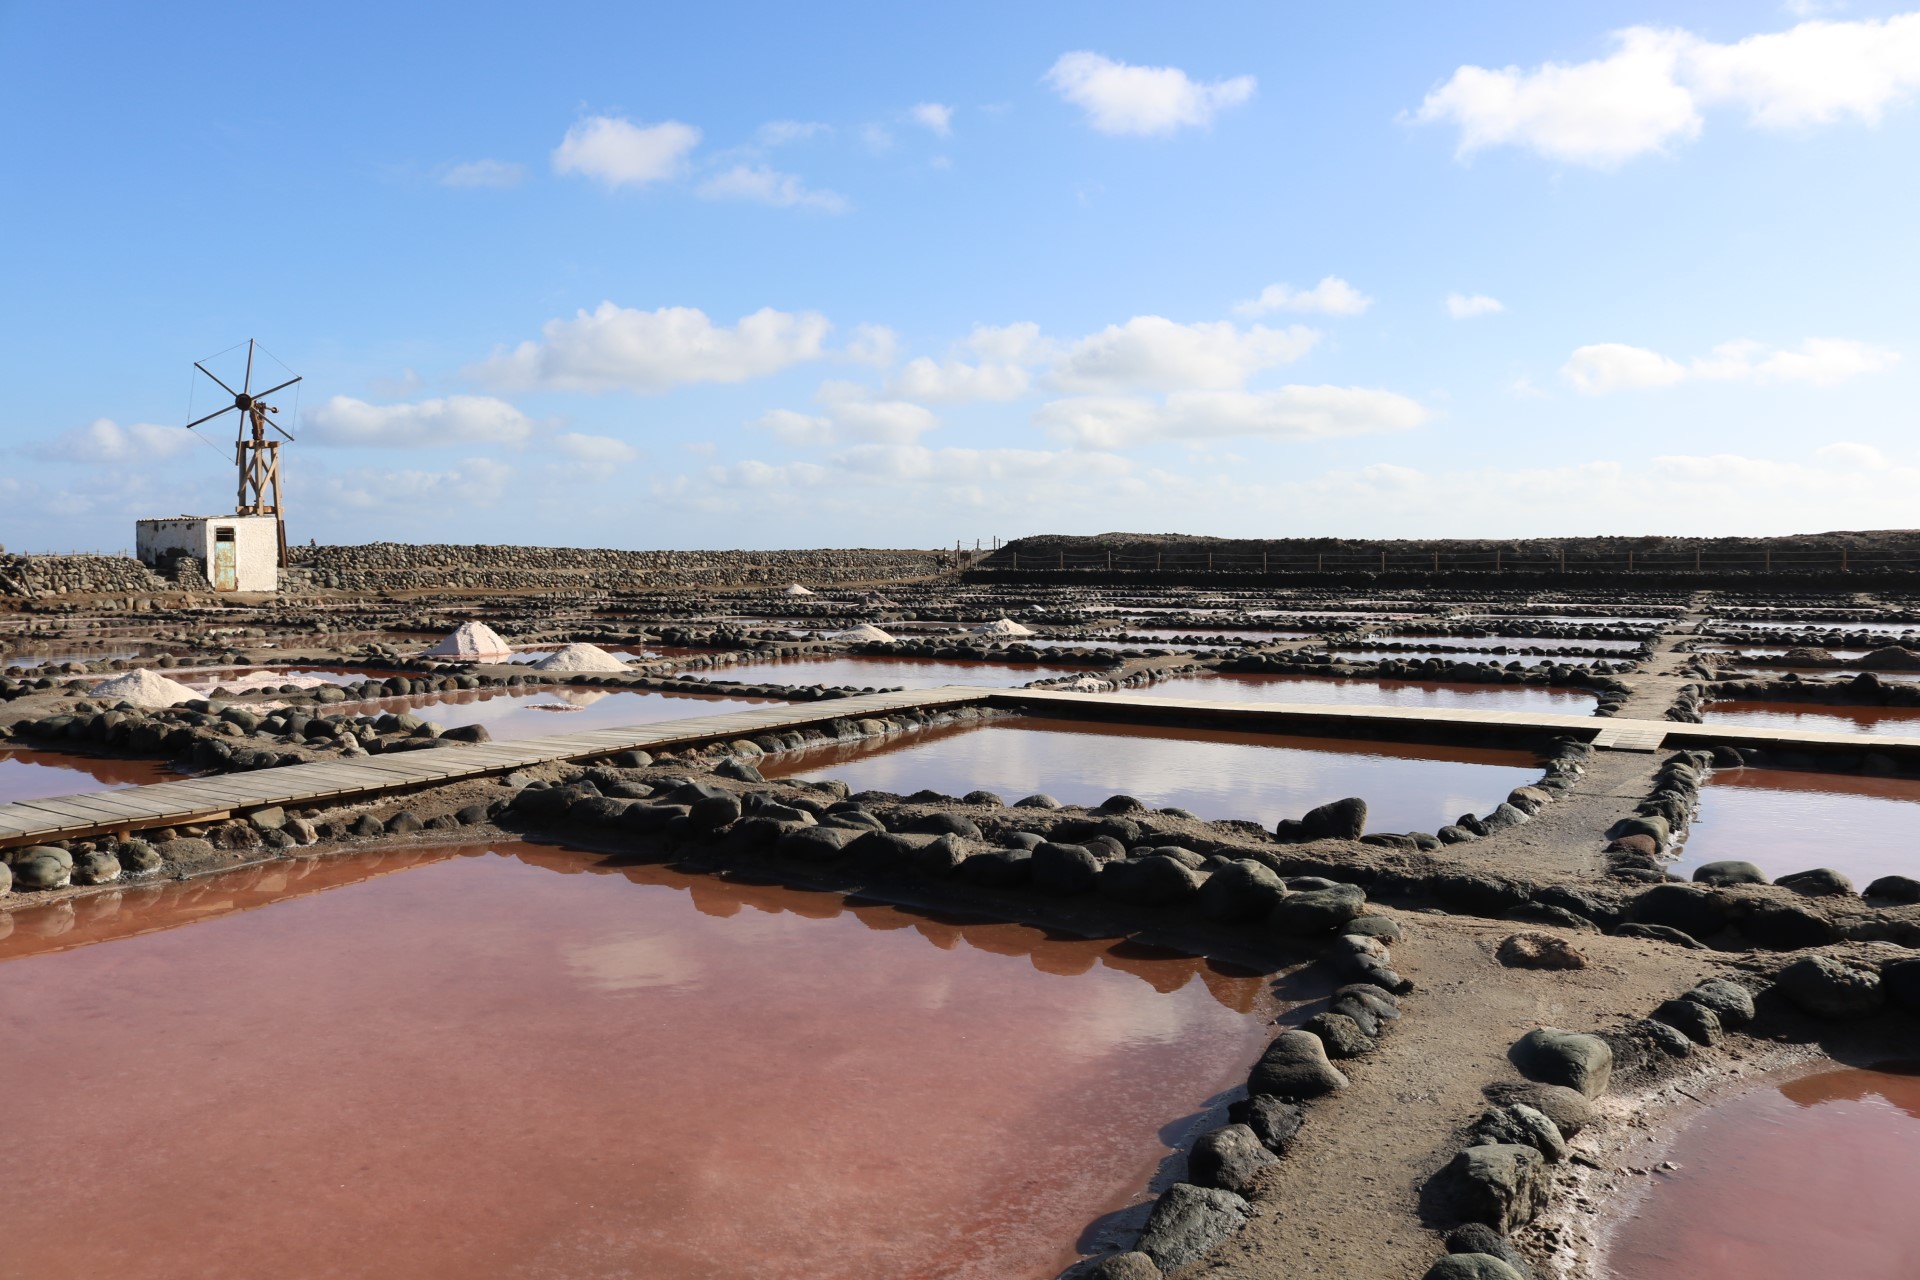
(247, 550)
(257, 457)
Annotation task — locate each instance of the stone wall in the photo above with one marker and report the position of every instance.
(68, 575)
(389, 566)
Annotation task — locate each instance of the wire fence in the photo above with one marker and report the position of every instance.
(1759, 560)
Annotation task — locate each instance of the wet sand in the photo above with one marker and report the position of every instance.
(493, 1064)
(1814, 1176)
(1213, 773)
(1787, 820)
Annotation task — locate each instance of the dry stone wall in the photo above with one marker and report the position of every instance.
(67, 575)
(392, 566)
(387, 566)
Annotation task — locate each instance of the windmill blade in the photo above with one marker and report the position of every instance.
(270, 390)
(277, 427)
(248, 380)
(210, 417)
(223, 386)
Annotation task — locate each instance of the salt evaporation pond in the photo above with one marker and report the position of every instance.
(1246, 686)
(1213, 773)
(540, 712)
(1787, 820)
(1815, 717)
(1513, 642)
(878, 671)
(1815, 1176)
(1467, 655)
(493, 1064)
(35, 775)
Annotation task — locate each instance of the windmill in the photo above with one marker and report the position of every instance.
(257, 457)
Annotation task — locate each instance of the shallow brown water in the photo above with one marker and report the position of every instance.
(1238, 686)
(496, 1065)
(33, 775)
(1787, 820)
(1813, 1177)
(1212, 772)
(1814, 717)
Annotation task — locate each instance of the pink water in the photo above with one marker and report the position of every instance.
(1814, 717)
(555, 709)
(1809, 1178)
(33, 775)
(1233, 686)
(1213, 773)
(879, 672)
(524, 1063)
(1787, 820)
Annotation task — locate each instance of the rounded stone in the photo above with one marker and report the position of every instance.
(1552, 1056)
(1728, 872)
(1830, 988)
(1295, 1066)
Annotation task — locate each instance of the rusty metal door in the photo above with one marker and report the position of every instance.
(226, 572)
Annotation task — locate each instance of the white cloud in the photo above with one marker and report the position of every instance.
(105, 442)
(954, 381)
(1154, 352)
(621, 153)
(850, 414)
(484, 173)
(1597, 113)
(1822, 362)
(1142, 101)
(1465, 306)
(873, 344)
(475, 482)
(935, 117)
(1017, 343)
(1605, 367)
(346, 422)
(1649, 92)
(877, 138)
(778, 133)
(1815, 73)
(622, 348)
(1332, 295)
(763, 185)
(1287, 413)
(599, 449)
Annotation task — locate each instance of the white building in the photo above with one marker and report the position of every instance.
(237, 553)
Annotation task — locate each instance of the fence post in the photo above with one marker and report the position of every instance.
(1436, 562)
(1496, 559)
(1156, 562)
(1263, 562)
(1843, 559)
(1563, 559)
(1769, 560)
(1320, 563)
(1629, 559)
(1016, 559)
(1696, 559)
(1383, 561)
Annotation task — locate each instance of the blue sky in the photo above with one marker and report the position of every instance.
(776, 275)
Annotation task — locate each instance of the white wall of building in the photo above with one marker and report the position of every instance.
(256, 546)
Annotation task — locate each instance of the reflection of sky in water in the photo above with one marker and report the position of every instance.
(1787, 820)
(1325, 691)
(1004, 1056)
(1815, 718)
(1511, 642)
(512, 716)
(35, 775)
(882, 672)
(1214, 774)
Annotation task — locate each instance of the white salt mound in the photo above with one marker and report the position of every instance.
(580, 657)
(796, 590)
(1003, 627)
(472, 642)
(145, 688)
(865, 631)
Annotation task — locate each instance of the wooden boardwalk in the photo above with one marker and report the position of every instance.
(195, 800)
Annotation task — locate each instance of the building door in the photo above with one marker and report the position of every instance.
(226, 572)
